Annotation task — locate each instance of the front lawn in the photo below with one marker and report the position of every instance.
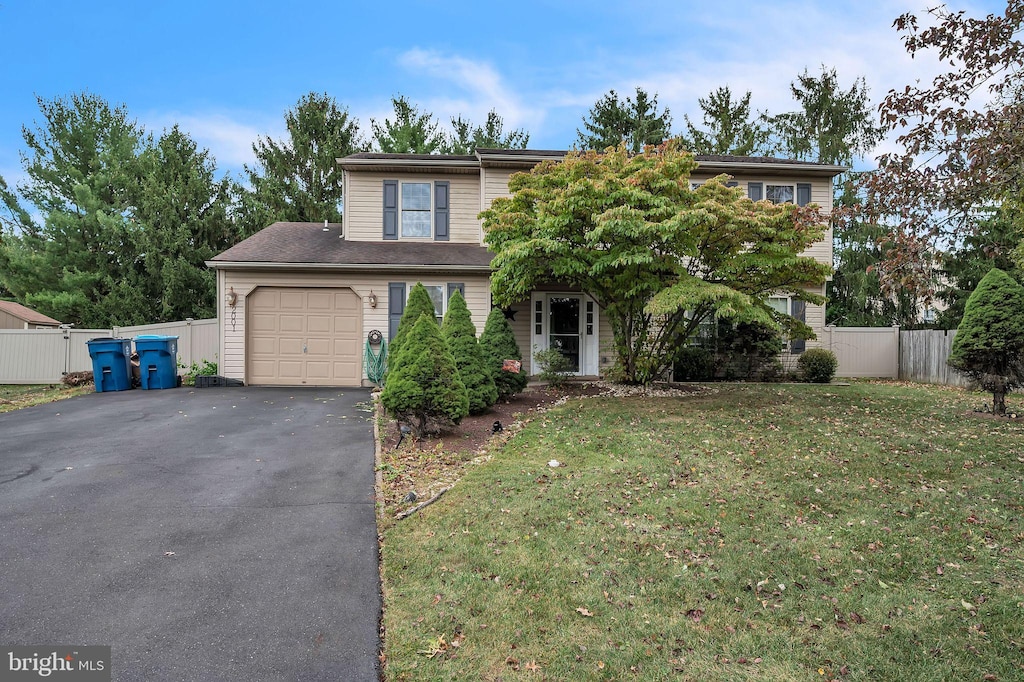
(16, 396)
(858, 532)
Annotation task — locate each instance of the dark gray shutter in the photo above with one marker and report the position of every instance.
(396, 306)
(441, 211)
(391, 209)
(800, 313)
(456, 286)
(755, 190)
(803, 193)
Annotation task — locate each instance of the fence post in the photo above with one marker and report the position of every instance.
(188, 329)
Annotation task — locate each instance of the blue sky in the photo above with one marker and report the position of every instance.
(227, 71)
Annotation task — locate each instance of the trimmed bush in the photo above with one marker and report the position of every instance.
(818, 365)
(425, 390)
(747, 351)
(419, 303)
(989, 343)
(554, 367)
(693, 363)
(459, 332)
(499, 344)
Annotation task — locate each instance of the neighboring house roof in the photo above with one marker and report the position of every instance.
(27, 314)
(526, 158)
(313, 245)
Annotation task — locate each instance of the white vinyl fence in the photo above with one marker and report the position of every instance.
(864, 351)
(43, 356)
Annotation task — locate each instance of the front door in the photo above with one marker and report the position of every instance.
(564, 328)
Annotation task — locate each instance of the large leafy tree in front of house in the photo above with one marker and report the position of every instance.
(659, 257)
(635, 122)
(459, 332)
(728, 126)
(297, 178)
(408, 131)
(989, 343)
(467, 138)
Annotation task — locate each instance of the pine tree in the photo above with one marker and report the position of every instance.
(459, 332)
(635, 122)
(418, 304)
(411, 131)
(425, 390)
(989, 344)
(498, 344)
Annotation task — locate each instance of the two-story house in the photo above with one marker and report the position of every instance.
(298, 301)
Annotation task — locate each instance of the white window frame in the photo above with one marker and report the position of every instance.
(791, 186)
(787, 299)
(429, 211)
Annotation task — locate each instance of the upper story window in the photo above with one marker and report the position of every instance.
(416, 210)
(780, 194)
(799, 194)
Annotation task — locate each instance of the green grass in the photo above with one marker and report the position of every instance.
(16, 396)
(862, 532)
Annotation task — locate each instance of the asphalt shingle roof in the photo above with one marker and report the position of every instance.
(311, 243)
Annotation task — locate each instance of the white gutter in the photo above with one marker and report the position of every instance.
(341, 267)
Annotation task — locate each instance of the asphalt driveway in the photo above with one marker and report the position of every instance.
(207, 534)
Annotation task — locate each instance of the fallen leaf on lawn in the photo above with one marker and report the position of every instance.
(695, 614)
(967, 605)
(584, 612)
(883, 585)
(532, 666)
(600, 665)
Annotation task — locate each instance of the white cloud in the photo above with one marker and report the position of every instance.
(229, 137)
(481, 88)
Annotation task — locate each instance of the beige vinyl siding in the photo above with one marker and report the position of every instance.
(521, 330)
(364, 204)
(478, 299)
(496, 184)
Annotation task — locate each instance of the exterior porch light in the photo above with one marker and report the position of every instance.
(372, 299)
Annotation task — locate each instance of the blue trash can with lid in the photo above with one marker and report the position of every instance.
(111, 363)
(158, 361)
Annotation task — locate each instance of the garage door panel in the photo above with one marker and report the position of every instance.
(318, 324)
(304, 336)
(318, 347)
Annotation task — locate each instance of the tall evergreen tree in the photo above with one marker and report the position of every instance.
(297, 178)
(498, 343)
(459, 332)
(467, 138)
(417, 305)
(728, 126)
(636, 122)
(989, 343)
(831, 125)
(184, 210)
(410, 131)
(425, 390)
(81, 169)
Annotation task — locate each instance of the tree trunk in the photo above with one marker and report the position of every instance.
(999, 402)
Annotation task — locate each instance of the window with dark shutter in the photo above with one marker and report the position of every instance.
(391, 209)
(800, 313)
(803, 193)
(755, 190)
(396, 306)
(441, 211)
(456, 286)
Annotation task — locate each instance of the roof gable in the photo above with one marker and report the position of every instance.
(26, 314)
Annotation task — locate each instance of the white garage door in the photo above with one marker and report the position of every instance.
(303, 337)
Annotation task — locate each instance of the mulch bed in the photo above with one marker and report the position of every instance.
(421, 468)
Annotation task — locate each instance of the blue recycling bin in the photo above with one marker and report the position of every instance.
(111, 363)
(158, 361)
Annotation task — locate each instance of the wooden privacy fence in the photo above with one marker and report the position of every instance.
(43, 356)
(864, 351)
(923, 354)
